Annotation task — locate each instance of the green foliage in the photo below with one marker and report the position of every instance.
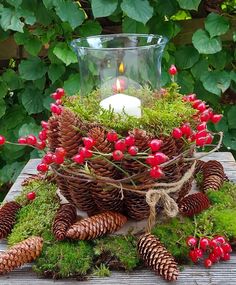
(121, 247)
(44, 29)
(65, 259)
(36, 217)
(102, 271)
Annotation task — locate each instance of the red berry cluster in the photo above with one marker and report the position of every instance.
(84, 152)
(57, 96)
(214, 249)
(201, 136)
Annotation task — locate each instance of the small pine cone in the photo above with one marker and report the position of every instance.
(100, 165)
(21, 253)
(156, 256)
(199, 166)
(53, 132)
(168, 147)
(8, 217)
(213, 182)
(65, 217)
(193, 204)
(69, 137)
(213, 167)
(96, 226)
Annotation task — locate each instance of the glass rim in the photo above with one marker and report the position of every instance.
(163, 39)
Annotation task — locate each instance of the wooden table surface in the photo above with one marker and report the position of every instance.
(221, 273)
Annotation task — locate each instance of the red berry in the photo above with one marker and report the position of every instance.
(156, 172)
(201, 134)
(193, 256)
(213, 257)
(88, 142)
(226, 247)
(204, 243)
(85, 152)
(60, 151)
(191, 241)
(208, 263)
(78, 158)
(199, 252)
(151, 160)
(2, 140)
(209, 138)
(226, 256)
(55, 109)
(133, 150)
(200, 141)
(218, 251)
(48, 158)
(160, 158)
(186, 130)
(120, 145)
(155, 145)
(42, 167)
(60, 92)
(112, 136)
(205, 116)
(44, 124)
(58, 159)
(117, 155)
(220, 239)
(31, 196)
(41, 145)
(216, 118)
(191, 97)
(55, 96)
(22, 140)
(201, 126)
(201, 107)
(42, 135)
(177, 133)
(213, 243)
(172, 69)
(31, 139)
(130, 140)
(195, 103)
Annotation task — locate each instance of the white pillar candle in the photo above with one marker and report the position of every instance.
(120, 103)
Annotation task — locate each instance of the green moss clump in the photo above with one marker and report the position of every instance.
(65, 259)
(225, 196)
(173, 234)
(36, 217)
(102, 271)
(122, 247)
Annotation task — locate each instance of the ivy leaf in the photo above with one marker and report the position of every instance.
(199, 69)
(229, 140)
(29, 128)
(10, 20)
(32, 100)
(70, 12)
(10, 172)
(189, 4)
(3, 88)
(233, 75)
(231, 117)
(216, 25)
(72, 84)
(204, 44)
(186, 82)
(167, 7)
(186, 57)
(33, 46)
(30, 19)
(32, 68)
(64, 53)
(14, 3)
(12, 79)
(48, 3)
(219, 60)
(216, 82)
(139, 10)
(55, 71)
(103, 8)
(132, 26)
(2, 108)
(90, 28)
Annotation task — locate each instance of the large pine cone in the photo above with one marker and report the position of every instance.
(21, 253)
(53, 133)
(193, 204)
(70, 138)
(213, 167)
(8, 214)
(199, 166)
(96, 226)
(213, 182)
(65, 217)
(156, 256)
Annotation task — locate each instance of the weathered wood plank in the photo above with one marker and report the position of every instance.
(224, 272)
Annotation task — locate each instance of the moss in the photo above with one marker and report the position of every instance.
(121, 247)
(65, 259)
(36, 217)
(173, 233)
(102, 271)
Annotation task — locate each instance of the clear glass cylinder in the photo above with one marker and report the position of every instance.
(119, 64)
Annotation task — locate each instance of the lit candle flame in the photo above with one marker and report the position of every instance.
(121, 68)
(118, 86)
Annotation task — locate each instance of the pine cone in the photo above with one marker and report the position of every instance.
(156, 256)
(65, 217)
(213, 167)
(53, 132)
(193, 204)
(199, 166)
(168, 147)
(21, 253)
(96, 226)
(8, 217)
(69, 137)
(213, 182)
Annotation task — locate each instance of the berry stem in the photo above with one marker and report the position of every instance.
(20, 144)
